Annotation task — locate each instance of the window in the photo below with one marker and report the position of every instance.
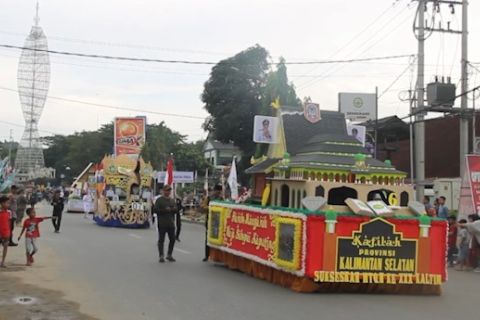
(404, 199)
(299, 199)
(275, 197)
(285, 195)
(319, 191)
(293, 202)
(337, 196)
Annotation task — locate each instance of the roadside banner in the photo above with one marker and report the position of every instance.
(473, 169)
(178, 176)
(358, 106)
(129, 135)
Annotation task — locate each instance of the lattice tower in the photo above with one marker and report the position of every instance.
(33, 82)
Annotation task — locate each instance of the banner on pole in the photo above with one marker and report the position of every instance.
(178, 176)
(129, 135)
(473, 169)
(358, 106)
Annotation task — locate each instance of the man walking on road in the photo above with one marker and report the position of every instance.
(57, 203)
(165, 208)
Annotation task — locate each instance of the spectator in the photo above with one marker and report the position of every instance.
(33, 232)
(426, 203)
(442, 208)
(473, 228)
(452, 240)
(5, 230)
(463, 243)
(178, 221)
(21, 206)
(12, 196)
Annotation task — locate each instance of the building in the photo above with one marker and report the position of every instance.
(219, 154)
(321, 159)
(442, 149)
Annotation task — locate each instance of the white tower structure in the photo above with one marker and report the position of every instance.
(33, 81)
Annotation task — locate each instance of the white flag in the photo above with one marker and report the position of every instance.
(232, 181)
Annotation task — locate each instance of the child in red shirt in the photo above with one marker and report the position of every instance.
(5, 231)
(33, 232)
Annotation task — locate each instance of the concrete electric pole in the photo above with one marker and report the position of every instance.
(464, 89)
(420, 30)
(419, 127)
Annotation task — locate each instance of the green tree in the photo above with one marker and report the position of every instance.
(278, 86)
(160, 143)
(233, 96)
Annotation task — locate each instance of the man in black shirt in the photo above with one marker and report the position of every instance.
(57, 203)
(166, 208)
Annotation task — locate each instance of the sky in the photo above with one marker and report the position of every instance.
(208, 30)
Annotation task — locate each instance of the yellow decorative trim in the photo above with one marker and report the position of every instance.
(214, 210)
(297, 244)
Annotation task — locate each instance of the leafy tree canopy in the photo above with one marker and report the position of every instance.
(233, 96)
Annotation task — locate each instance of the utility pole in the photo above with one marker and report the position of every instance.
(420, 30)
(464, 89)
(419, 126)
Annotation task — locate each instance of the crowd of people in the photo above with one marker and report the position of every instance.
(463, 236)
(17, 211)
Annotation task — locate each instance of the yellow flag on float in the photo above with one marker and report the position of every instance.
(276, 104)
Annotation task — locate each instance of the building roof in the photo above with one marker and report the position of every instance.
(323, 145)
(389, 127)
(262, 167)
(217, 145)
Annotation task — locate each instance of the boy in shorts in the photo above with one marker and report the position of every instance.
(5, 231)
(33, 232)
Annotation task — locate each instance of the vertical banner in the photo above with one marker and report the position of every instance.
(357, 132)
(473, 167)
(265, 129)
(129, 135)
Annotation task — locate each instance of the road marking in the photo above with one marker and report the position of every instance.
(182, 251)
(133, 235)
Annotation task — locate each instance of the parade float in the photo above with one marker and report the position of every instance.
(83, 184)
(123, 192)
(329, 217)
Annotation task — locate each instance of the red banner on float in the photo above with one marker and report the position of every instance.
(129, 135)
(473, 165)
(251, 233)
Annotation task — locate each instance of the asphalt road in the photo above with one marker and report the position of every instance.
(121, 265)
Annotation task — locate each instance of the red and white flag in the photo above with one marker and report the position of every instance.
(169, 173)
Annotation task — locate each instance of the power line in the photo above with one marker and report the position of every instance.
(122, 58)
(124, 45)
(397, 78)
(116, 107)
(356, 36)
(371, 42)
(23, 126)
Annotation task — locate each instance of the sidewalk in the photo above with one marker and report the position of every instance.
(24, 293)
